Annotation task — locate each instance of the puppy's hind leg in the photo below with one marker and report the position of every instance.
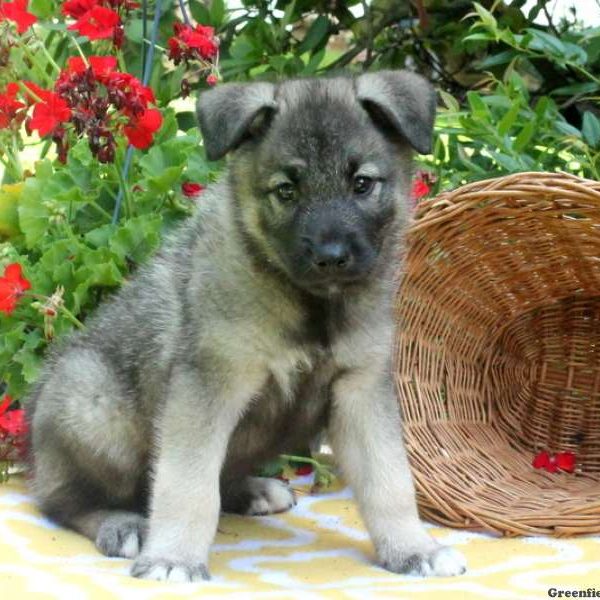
(76, 502)
(257, 496)
(87, 453)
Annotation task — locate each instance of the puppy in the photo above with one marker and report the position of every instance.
(266, 318)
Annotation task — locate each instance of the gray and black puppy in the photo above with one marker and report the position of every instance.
(266, 318)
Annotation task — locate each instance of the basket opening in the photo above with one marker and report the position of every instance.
(544, 379)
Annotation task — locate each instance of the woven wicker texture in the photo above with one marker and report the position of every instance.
(498, 353)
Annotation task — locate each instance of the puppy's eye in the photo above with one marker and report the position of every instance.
(363, 185)
(285, 192)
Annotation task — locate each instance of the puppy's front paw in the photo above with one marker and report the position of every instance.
(121, 534)
(158, 569)
(441, 561)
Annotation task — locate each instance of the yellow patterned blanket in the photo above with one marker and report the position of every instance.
(318, 550)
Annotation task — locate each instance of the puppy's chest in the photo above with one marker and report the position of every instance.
(293, 366)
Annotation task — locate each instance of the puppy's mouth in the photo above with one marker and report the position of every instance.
(331, 284)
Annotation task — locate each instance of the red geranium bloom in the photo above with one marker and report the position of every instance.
(17, 12)
(565, 461)
(9, 105)
(37, 94)
(101, 66)
(140, 130)
(77, 8)
(419, 189)
(12, 286)
(191, 190)
(47, 115)
(14, 427)
(304, 470)
(12, 422)
(190, 43)
(126, 92)
(541, 460)
(98, 23)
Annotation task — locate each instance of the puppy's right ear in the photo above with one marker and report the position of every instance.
(226, 114)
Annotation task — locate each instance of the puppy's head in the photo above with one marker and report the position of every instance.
(320, 168)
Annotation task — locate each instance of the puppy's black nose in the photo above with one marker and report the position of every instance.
(331, 256)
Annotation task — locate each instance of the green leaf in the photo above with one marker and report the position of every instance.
(591, 129)
(316, 36)
(134, 30)
(315, 61)
(217, 13)
(450, 101)
(576, 89)
(33, 213)
(567, 128)
(42, 9)
(30, 363)
(497, 59)
(199, 12)
(137, 238)
(287, 15)
(486, 17)
(507, 162)
(186, 120)
(480, 36)
(272, 468)
(524, 136)
(508, 120)
(478, 106)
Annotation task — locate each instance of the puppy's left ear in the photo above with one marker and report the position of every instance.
(228, 113)
(406, 102)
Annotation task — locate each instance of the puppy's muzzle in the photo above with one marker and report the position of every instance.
(331, 257)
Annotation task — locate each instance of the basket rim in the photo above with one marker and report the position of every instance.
(527, 184)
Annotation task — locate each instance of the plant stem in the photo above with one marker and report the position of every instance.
(49, 57)
(71, 317)
(184, 12)
(78, 48)
(123, 190)
(67, 313)
(97, 207)
(121, 60)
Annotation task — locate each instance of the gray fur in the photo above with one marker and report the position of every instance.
(238, 341)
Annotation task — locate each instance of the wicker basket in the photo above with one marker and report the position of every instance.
(498, 353)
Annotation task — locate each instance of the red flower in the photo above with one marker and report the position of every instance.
(17, 12)
(419, 189)
(12, 422)
(191, 43)
(552, 466)
(47, 115)
(126, 92)
(565, 461)
(9, 105)
(77, 8)
(304, 469)
(5, 404)
(98, 23)
(37, 93)
(14, 427)
(191, 190)
(212, 79)
(140, 130)
(541, 460)
(12, 286)
(101, 66)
